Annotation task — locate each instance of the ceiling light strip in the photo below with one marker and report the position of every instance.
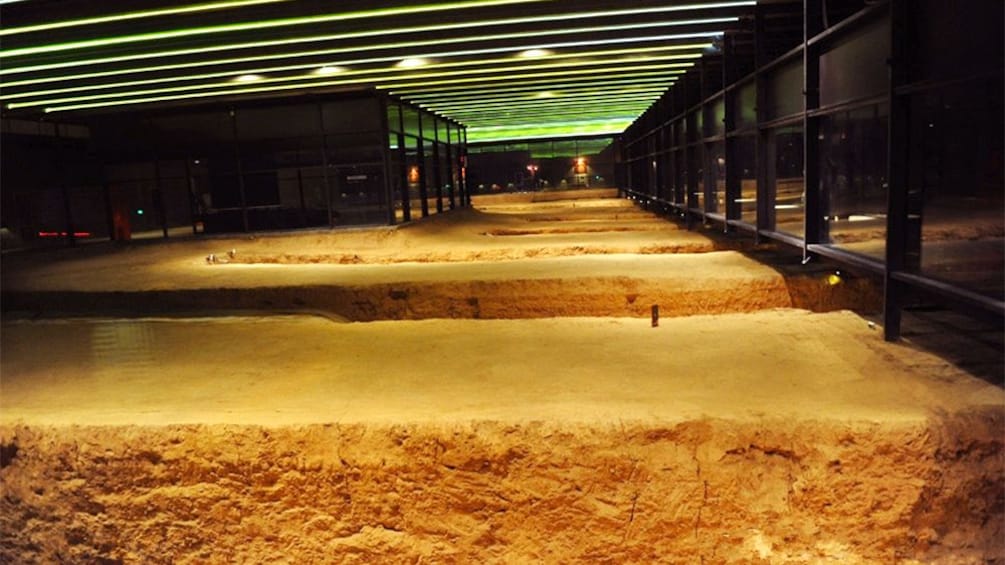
(401, 45)
(559, 74)
(581, 110)
(333, 83)
(258, 72)
(477, 102)
(257, 26)
(479, 106)
(421, 94)
(355, 35)
(320, 82)
(136, 15)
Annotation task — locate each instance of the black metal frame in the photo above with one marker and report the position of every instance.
(642, 143)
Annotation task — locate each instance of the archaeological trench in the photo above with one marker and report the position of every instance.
(484, 386)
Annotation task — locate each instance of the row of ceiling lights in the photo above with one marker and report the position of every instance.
(407, 63)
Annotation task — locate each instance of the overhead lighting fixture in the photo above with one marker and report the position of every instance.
(250, 77)
(255, 26)
(329, 70)
(408, 63)
(531, 53)
(609, 65)
(412, 62)
(134, 15)
(7, 69)
(545, 94)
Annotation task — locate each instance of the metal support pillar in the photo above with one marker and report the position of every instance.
(733, 179)
(159, 198)
(386, 161)
(897, 172)
(324, 165)
(813, 207)
(240, 171)
(420, 157)
(764, 154)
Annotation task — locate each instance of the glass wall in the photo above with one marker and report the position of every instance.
(264, 166)
(853, 183)
(958, 185)
(870, 126)
(786, 169)
(745, 164)
(548, 165)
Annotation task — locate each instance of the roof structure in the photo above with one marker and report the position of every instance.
(506, 69)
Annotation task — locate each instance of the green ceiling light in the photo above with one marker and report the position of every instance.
(478, 106)
(561, 129)
(564, 66)
(586, 82)
(382, 32)
(577, 110)
(559, 74)
(526, 96)
(256, 26)
(136, 15)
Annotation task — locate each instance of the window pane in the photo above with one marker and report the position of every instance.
(855, 67)
(956, 177)
(785, 90)
(787, 144)
(745, 154)
(853, 150)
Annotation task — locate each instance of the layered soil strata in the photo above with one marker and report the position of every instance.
(740, 430)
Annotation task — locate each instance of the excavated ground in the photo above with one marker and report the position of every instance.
(548, 421)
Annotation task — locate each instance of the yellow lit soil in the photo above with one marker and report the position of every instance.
(484, 386)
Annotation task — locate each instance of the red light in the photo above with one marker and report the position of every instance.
(63, 234)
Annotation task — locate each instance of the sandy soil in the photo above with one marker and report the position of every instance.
(740, 430)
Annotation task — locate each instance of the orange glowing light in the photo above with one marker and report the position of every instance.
(413, 174)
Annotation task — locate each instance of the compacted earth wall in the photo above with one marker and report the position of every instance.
(705, 491)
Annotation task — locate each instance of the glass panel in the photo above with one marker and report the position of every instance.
(411, 117)
(784, 90)
(393, 116)
(361, 198)
(697, 199)
(975, 48)
(853, 149)
(429, 164)
(696, 126)
(790, 198)
(271, 123)
(354, 149)
(745, 106)
(714, 116)
(745, 156)
(715, 157)
(957, 184)
(348, 116)
(413, 174)
(428, 126)
(855, 67)
(680, 182)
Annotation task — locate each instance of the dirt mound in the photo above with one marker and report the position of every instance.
(702, 491)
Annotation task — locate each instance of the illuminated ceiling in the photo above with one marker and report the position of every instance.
(507, 69)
